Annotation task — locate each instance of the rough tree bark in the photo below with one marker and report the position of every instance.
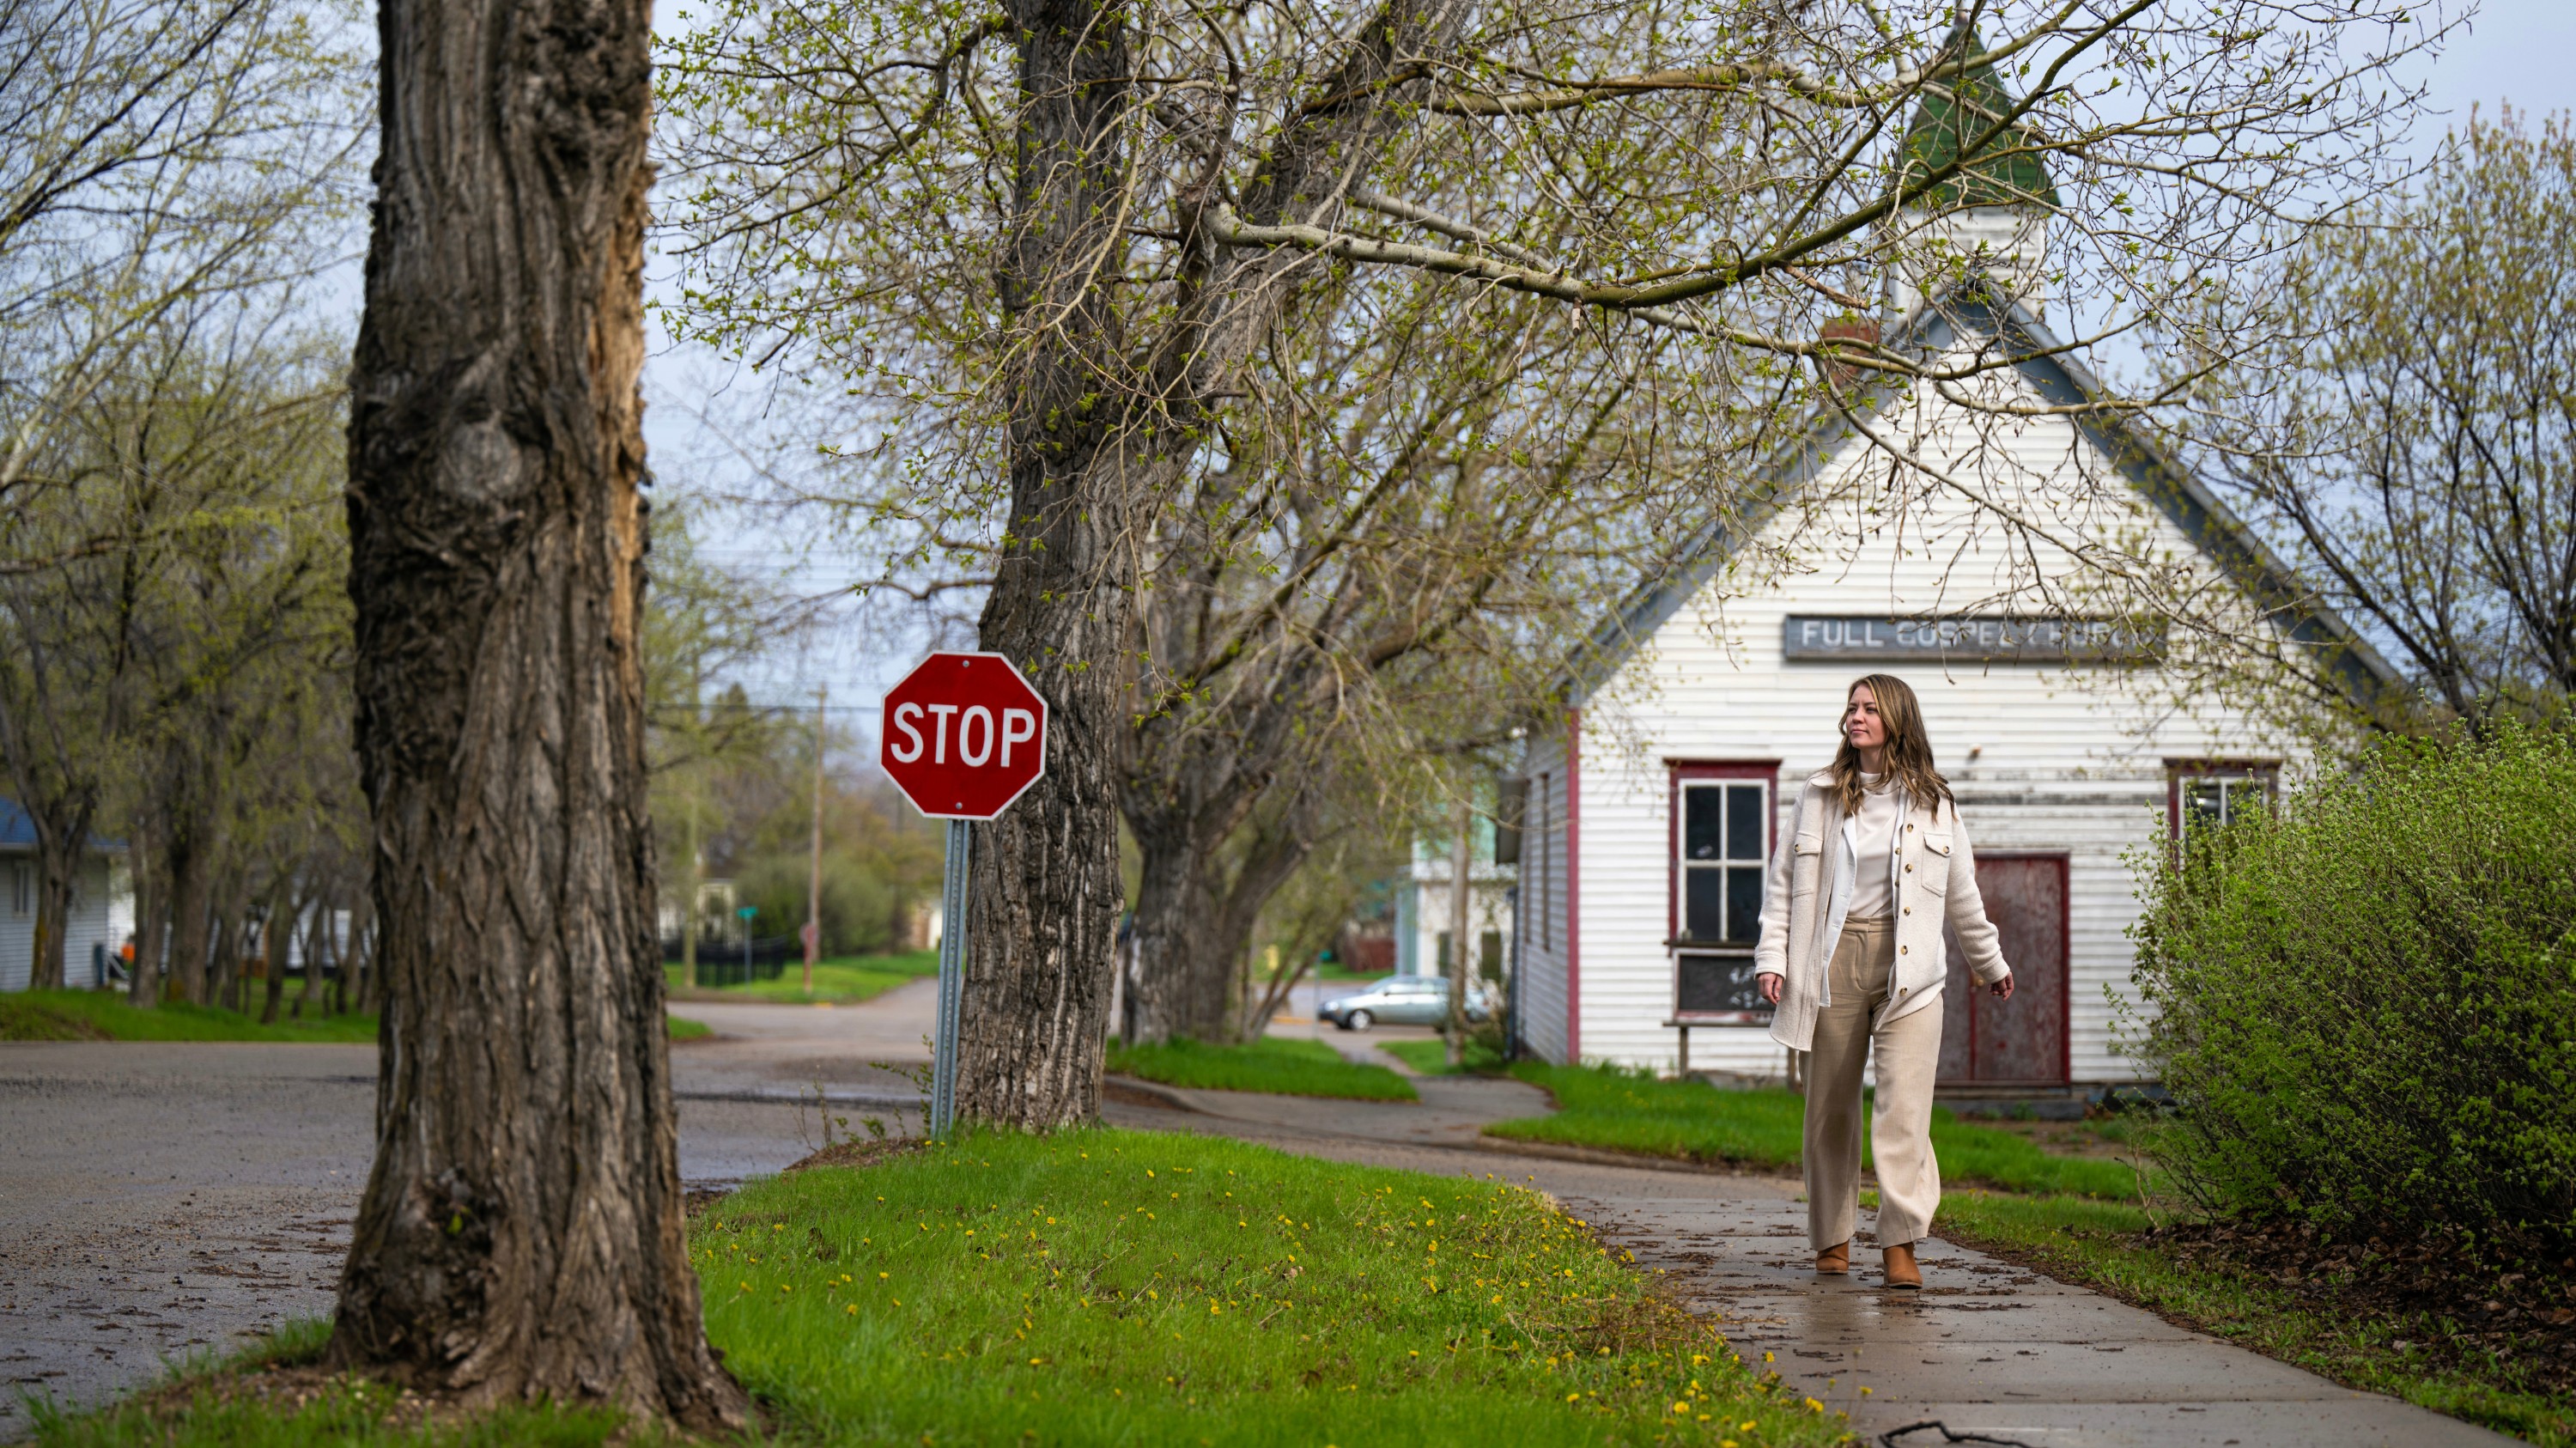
(62, 829)
(1090, 444)
(1045, 875)
(191, 872)
(151, 916)
(1197, 903)
(522, 1232)
(274, 931)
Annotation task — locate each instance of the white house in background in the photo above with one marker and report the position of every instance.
(1426, 907)
(1653, 810)
(1652, 814)
(100, 917)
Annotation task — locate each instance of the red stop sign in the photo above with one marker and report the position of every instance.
(964, 736)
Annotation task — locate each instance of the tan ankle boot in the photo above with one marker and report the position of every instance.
(1835, 1260)
(1901, 1270)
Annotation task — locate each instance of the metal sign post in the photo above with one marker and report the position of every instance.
(952, 978)
(964, 736)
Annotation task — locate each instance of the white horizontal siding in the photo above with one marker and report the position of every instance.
(17, 927)
(2044, 759)
(1542, 987)
(93, 922)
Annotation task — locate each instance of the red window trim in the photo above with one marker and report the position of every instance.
(1574, 886)
(1680, 771)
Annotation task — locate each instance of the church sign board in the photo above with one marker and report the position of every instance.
(1987, 639)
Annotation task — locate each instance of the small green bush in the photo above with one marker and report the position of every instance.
(2365, 1004)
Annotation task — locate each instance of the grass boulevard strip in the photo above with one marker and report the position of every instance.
(846, 980)
(1109, 1286)
(1281, 1066)
(88, 1015)
(2425, 1355)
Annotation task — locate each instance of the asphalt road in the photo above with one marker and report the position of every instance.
(159, 1200)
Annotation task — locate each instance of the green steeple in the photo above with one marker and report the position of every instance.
(1956, 111)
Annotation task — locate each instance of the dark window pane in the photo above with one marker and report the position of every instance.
(2204, 802)
(1703, 904)
(1743, 903)
(1707, 984)
(1701, 822)
(1744, 822)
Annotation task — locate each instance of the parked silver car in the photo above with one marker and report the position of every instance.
(1406, 1000)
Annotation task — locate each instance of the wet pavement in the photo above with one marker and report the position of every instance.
(166, 1199)
(1985, 1348)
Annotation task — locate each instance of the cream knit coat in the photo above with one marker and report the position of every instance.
(1810, 888)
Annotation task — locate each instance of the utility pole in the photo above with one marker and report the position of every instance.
(814, 873)
(1459, 857)
(689, 906)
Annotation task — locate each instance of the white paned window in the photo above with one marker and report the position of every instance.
(2206, 794)
(1723, 839)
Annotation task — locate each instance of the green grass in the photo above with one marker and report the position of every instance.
(89, 1015)
(684, 1029)
(1280, 1065)
(1109, 1286)
(845, 980)
(1431, 1058)
(1693, 1121)
(1106, 1287)
(2095, 1243)
(71, 1015)
(218, 1401)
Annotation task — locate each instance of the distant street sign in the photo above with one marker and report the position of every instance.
(748, 911)
(964, 736)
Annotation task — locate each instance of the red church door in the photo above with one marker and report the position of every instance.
(2022, 1041)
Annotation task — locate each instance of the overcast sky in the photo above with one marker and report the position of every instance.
(2517, 52)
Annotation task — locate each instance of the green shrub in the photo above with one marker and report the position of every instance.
(2365, 1005)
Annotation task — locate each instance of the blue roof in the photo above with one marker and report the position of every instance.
(18, 832)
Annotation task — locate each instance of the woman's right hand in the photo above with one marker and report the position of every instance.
(1770, 985)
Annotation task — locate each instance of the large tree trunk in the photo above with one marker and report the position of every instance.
(274, 932)
(62, 837)
(1184, 945)
(1200, 897)
(522, 1232)
(362, 956)
(192, 869)
(151, 919)
(1045, 875)
(1087, 461)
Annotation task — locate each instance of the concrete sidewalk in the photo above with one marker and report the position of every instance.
(1986, 1348)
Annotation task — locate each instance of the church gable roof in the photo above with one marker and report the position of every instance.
(2045, 364)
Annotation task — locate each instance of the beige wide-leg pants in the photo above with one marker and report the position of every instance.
(1900, 1123)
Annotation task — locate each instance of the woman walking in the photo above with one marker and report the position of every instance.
(1851, 955)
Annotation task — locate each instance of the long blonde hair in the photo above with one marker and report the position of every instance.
(1909, 750)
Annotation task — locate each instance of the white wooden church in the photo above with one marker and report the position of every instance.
(1655, 800)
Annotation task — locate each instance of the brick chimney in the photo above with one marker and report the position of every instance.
(1849, 327)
